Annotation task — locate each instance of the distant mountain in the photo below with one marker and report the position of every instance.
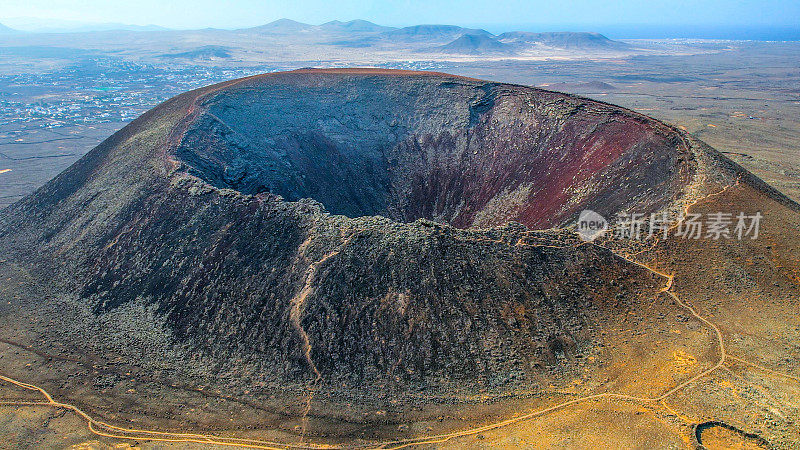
(205, 52)
(359, 26)
(473, 44)
(434, 32)
(281, 26)
(212, 44)
(569, 40)
(437, 37)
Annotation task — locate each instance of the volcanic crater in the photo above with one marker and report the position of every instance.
(367, 229)
(408, 146)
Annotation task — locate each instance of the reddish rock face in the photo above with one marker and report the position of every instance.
(420, 145)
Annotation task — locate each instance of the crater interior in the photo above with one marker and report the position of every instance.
(465, 152)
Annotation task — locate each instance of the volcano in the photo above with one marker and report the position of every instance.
(371, 235)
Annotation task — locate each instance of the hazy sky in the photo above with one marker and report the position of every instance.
(243, 13)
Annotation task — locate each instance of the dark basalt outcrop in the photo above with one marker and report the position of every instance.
(364, 228)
